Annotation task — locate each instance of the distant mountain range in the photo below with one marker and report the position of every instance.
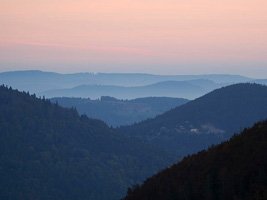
(175, 89)
(207, 120)
(117, 112)
(122, 86)
(48, 152)
(236, 169)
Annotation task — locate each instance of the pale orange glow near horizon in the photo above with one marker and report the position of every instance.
(154, 36)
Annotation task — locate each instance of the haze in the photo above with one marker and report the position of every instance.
(155, 36)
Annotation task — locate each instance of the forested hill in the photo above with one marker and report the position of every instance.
(49, 152)
(234, 170)
(207, 120)
(117, 112)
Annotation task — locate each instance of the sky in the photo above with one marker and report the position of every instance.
(151, 36)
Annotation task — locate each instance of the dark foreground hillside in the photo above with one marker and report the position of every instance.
(48, 152)
(234, 170)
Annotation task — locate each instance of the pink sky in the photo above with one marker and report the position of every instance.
(156, 36)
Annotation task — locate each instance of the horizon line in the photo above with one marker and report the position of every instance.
(129, 73)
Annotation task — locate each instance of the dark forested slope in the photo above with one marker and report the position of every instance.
(207, 120)
(234, 170)
(49, 152)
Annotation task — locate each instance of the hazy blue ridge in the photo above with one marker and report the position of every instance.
(39, 81)
(176, 89)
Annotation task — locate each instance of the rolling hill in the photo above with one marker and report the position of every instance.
(117, 112)
(177, 89)
(236, 169)
(207, 120)
(55, 84)
(50, 152)
(38, 81)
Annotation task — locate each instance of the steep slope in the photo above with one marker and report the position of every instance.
(121, 112)
(207, 120)
(48, 152)
(234, 170)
